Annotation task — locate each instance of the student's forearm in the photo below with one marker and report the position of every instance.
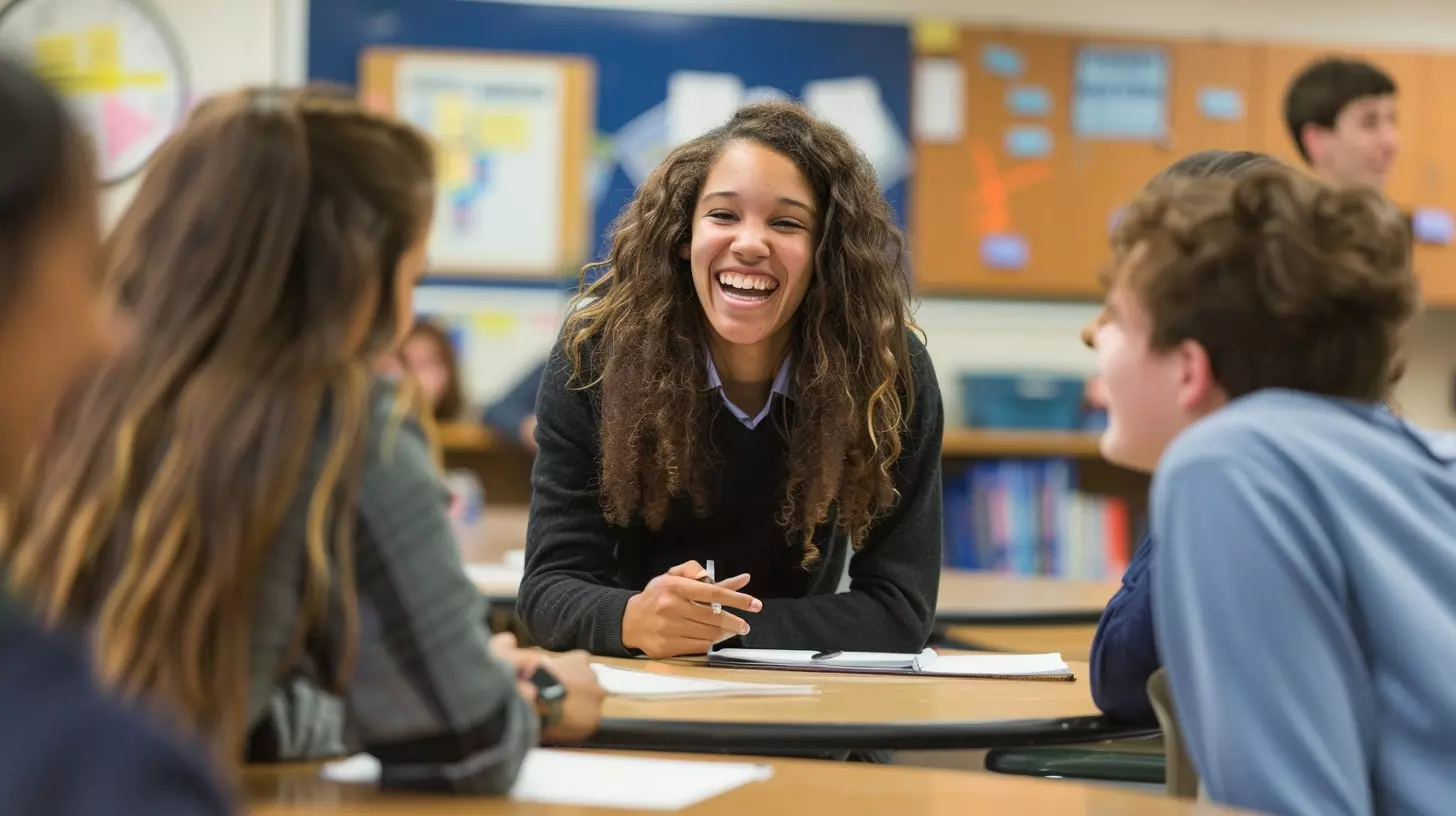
(563, 612)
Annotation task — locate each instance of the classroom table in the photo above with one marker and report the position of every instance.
(857, 712)
(804, 786)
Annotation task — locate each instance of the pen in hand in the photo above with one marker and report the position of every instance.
(712, 578)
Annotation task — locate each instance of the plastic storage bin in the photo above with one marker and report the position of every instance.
(1022, 401)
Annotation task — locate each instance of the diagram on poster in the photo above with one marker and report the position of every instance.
(497, 124)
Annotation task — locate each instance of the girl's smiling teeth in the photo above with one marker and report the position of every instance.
(747, 286)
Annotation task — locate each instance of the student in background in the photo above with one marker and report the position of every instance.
(513, 416)
(1302, 589)
(67, 750)
(1124, 651)
(428, 354)
(1341, 114)
(743, 385)
(237, 500)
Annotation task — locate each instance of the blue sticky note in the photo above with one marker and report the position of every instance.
(1002, 61)
(1028, 142)
(1432, 225)
(1005, 251)
(1029, 100)
(1221, 104)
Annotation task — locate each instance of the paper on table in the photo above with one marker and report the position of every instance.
(597, 780)
(940, 100)
(999, 665)
(799, 657)
(641, 684)
(483, 575)
(698, 101)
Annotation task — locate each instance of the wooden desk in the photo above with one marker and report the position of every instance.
(837, 788)
(970, 598)
(858, 712)
(1073, 642)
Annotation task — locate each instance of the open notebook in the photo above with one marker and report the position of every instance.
(928, 662)
(643, 685)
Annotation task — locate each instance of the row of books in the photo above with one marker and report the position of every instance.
(1025, 517)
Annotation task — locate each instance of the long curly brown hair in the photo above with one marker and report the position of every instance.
(639, 332)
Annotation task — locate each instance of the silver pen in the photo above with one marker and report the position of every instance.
(713, 579)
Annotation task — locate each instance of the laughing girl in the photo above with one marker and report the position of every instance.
(743, 385)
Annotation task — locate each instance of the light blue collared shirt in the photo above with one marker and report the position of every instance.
(1304, 605)
(782, 386)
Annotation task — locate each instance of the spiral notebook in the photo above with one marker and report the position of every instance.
(927, 663)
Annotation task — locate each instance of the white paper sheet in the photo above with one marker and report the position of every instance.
(796, 657)
(491, 578)
(939, 100)
(640, 684)
(599, 780)
(698, 101)
(854, 105)
(1000, 665)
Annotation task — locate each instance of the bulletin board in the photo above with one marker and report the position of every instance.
(1059, 133)
(510, 134)
(862, 71)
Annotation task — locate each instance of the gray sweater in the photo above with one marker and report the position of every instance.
(425, 697)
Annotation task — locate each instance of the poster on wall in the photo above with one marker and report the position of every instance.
(118, 66)
(1121, 94)
(497, 126)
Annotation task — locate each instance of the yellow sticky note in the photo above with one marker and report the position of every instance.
(495, 324)
(936, 37)
(454, 167)
(449, 117)
(56, 58)
(103, 50)
(504, 131)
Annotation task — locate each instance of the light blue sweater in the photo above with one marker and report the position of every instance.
(1305, 604)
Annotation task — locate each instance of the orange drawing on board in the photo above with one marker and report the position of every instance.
(991, 197)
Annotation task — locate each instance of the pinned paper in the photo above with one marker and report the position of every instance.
(1002, 61)
(1029, 100)
(1005, 251)
(1221, 104)
(1121, 94)
(505, 131)
(454, 167)
(854, 105)
(936, 37)
(765, 93)
(699, 101)
(641, 144)
(1432, 225)
(940, 100)
(449, 123)
(1028, 142)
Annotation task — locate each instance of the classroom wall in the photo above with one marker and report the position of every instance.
(252, 41)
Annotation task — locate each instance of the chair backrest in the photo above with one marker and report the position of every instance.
(1181, 778)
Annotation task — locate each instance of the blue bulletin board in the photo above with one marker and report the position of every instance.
(636, 55)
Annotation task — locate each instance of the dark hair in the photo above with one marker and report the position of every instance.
(452, 400)
(1285, 282)
(43, 159)
(1324, 88)
(260, 231)
(640, 333)
(1214, 164)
